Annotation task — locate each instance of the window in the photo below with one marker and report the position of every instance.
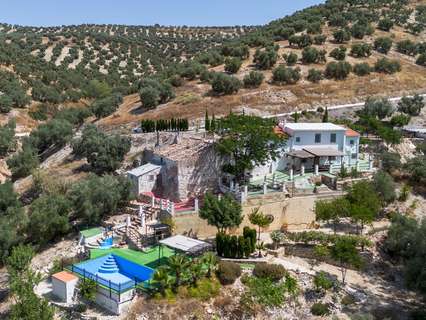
(354, 156)
(151, 177)
(317, 137)
(333, 138)
(351, 142)
(331, 158)
(297, 139)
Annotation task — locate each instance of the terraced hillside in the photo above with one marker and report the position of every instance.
(337, 52)
(55, 65)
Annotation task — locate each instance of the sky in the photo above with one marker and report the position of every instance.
(147, 12)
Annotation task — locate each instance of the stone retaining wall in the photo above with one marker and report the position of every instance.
(294, 213)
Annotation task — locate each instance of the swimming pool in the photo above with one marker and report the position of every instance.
(107, 243)
(113, 271)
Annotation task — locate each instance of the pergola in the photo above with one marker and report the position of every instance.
(189, 246)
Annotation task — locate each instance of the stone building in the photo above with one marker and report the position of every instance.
(179, 170)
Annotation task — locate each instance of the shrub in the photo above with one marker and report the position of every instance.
(21, 164)
(385, 65)
(385, 24)
(338, 53)
(290, 58)
(232, 65)
(87, 289)
(362, 69)
(338, 70)
(322, 281)
(265, 59)
(348, 300)
(361, 50)
(313, 55)
(225, 84)
(250, 233)
(275, 272)
(7, 138)
(301, 41)
(320, 309)
(421, 60)
(383, 44)
(411, 105)
(284, 75)
(341, 36)
(263, 292)
(228, 272)
(253, 79)
(315, 75)
(407, 47)
(205, 289)
(320, 39)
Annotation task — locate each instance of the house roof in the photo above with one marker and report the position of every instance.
(301, 154)
(324, 152)
(64, 276)
(318, 126)
(144, 169)
(351, 133)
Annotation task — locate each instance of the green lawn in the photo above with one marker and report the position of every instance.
(148, 258)
(91, 232)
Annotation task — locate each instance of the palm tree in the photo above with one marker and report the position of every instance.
(162, 277)
(195, 271)
(260, 246)
(210, 259)
(178, 263)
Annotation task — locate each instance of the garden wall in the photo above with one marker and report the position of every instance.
(295, 213)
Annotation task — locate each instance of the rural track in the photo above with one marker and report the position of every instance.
(336, 107)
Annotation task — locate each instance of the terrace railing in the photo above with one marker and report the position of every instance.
(118, 288)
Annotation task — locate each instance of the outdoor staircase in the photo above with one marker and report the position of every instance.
(109, 266)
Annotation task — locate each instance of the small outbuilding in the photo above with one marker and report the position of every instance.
(144, 178)
(64, 284)
(189, 246)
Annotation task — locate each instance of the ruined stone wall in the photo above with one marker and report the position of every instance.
(196, 175)
(294, 213)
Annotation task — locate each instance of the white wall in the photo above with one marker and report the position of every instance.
(307, 139)
(64, 290)
(116, 304)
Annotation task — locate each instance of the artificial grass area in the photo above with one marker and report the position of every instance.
(148, 258)
(91, 232)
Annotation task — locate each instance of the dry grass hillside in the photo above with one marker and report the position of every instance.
(194, 97)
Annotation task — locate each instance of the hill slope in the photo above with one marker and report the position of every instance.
(58, 65)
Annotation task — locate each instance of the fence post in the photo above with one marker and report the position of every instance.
(109, 286)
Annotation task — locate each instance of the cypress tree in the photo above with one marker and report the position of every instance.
(207, 121)
(213, 124)
(325, 115)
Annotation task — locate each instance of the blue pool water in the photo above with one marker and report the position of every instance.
(113, 271)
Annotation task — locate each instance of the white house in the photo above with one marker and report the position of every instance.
(313, 147)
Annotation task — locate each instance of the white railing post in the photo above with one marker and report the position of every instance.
(196, 205)
(265, 188)
(316, 169)
(291, 174)
(302, 170)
